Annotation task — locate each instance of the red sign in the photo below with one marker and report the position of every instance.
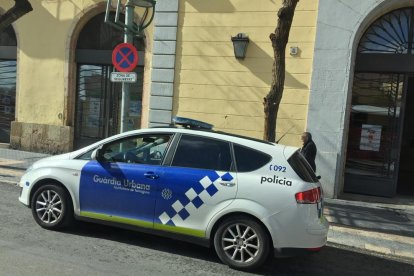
(125, 57)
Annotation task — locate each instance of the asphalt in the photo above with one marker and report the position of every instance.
(372, 225)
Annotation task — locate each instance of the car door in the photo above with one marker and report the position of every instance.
(122, 185)
(199, 183)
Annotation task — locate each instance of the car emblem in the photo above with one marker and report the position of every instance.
(166, 194)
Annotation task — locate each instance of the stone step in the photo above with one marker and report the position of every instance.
(4, 145)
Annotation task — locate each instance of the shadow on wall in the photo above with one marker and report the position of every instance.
(260, 63)
(221, 6)
(50, 17)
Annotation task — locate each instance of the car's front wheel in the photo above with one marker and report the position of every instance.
(52, 207)
(241, 243)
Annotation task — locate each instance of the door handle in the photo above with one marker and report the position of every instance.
(151, 175)
(227, 183)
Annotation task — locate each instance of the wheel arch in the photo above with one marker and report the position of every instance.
(226, 216)
(46, 181)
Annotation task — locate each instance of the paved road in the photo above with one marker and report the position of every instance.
(88, 249)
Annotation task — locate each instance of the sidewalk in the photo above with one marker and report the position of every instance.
(359, 223)
(13, 163)
(378, 228)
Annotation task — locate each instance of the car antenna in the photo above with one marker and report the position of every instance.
(284, 134)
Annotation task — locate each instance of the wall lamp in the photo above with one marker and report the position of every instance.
(130, 26)
(240, 42)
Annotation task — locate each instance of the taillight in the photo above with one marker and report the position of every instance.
(309, 197)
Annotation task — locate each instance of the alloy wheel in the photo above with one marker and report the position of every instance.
(49, 206)
(240, 243)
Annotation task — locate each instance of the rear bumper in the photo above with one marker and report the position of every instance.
(298, 227)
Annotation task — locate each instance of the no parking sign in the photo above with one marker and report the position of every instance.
(125, 57)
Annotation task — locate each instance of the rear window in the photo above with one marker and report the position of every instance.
(302, 168)
(248, 160)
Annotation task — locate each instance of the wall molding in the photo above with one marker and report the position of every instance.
(163, 62)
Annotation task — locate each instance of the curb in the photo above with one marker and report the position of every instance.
(372, 242)
(371, 205)
(16, 183)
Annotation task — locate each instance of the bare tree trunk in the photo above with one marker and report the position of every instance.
(279, 40)
(20, 8)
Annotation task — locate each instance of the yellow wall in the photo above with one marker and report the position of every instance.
(211, 85)
(42, 45)
(43, 74)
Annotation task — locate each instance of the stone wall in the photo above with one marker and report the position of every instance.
(42, 138)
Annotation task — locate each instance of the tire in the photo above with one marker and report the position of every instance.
(241, 243)
(52, 207)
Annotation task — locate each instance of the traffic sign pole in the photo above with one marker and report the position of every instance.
(130, 30)
(128, 38)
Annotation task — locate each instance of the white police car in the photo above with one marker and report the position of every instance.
(247, 198)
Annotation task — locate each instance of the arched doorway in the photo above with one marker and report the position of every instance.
(97, 111)
(8, 52)
(381, 137)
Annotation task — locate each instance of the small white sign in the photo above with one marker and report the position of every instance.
(370, 137)
(124, 77)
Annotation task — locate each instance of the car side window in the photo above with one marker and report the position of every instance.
(142, 149)
(248, 159)
(202, 153)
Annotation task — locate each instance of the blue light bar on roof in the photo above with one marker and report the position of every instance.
(190, 123)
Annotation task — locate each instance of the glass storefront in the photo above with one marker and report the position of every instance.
(8, 67)
(98, 104)
(380, 97)
(98, 100)
(7, 97)
(373, 141)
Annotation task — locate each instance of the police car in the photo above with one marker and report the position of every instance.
(248, 198)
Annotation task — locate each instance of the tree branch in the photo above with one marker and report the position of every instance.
(20, 8)
(279, 39)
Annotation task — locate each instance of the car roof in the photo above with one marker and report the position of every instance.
(234, 138)
(217, 132)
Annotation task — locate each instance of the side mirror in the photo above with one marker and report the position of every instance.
(97, 154)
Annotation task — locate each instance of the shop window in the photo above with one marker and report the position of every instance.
(8, 67)
(98, 100)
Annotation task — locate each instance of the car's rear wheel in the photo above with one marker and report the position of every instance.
(52, 207)
(241, 243)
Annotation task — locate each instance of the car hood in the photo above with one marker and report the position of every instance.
(47, 160)
(63, 156)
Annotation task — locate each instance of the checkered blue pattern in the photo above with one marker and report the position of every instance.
(195, 198)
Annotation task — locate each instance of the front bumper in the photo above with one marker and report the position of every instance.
(293, 252)
(24, 192)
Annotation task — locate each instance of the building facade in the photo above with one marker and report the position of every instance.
(360, 108)
(347, 79)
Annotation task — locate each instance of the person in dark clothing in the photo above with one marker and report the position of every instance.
(309, 149)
